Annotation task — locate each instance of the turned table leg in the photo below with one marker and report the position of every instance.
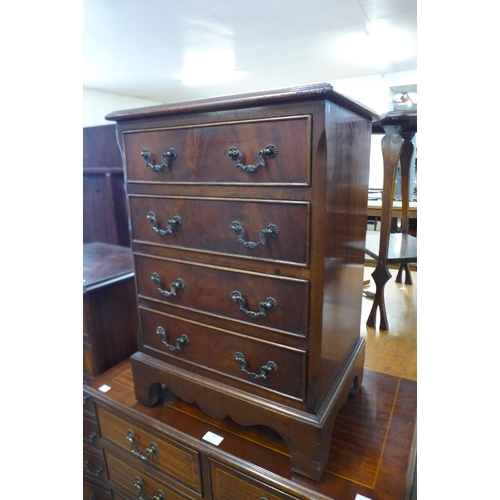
(381, 276)
(408, 279)
(392, 145)
(405, 161)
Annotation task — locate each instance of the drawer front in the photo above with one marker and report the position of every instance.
(228, 484)
(260, 363)
(91, 434)
(88, 405)
(136, 482)
(202, 153)
(270, 302)
(93, 467)
(277, 231)
(94, 492)
(171, 458)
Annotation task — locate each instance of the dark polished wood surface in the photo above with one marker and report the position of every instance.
(316, 91)
(402, 247)
(104, 207)
(100, 150)
(372, 449)
(110, 317)
(103, 262)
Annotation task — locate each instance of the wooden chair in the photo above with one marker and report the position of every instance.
(385, 247)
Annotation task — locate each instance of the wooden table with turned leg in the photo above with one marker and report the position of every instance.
(386, 247)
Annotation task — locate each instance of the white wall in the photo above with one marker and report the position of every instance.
(374, 91)
(96, 105)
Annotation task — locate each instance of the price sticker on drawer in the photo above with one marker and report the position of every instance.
(213, 438)
(104, 388)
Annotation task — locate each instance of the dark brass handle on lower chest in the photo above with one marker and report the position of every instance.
(172, 223)
(152, 450)
(167, 157)
(269, 367)
(181, 341)
(178, 284)
(94, 473)
(90, 437)
(269, 303)
(139, 487)
(270, 151)
(270, 230)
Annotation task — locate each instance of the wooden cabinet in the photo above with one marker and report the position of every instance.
(95, 477)
(110, 321)
(166, 448)
(104, 207)
(248, 219)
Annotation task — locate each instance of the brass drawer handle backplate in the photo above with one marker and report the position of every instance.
(271, 230)
(176, 221)
(269, 367)
(182, 340)
(94, 473)
(152, 450)
(167, 157)
(90, 437)
(269, 303)
(139, 486)
(270, 151)
(177, 284)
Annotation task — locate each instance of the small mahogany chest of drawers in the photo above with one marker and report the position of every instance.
(248, 219)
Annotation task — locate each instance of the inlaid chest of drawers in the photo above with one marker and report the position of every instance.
(248, 219)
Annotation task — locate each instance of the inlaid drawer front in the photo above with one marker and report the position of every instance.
(228, 484)
(268, 365)
(167, 456)
(93, 492)
(276, 230)
(93, 467)
(270, 151)
(272, 302)
(136, 482)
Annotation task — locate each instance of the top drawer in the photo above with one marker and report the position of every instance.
(208, 154)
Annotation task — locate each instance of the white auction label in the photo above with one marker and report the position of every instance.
(104, 388)
(213, 438)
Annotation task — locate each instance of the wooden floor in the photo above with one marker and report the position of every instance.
(393, 351)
